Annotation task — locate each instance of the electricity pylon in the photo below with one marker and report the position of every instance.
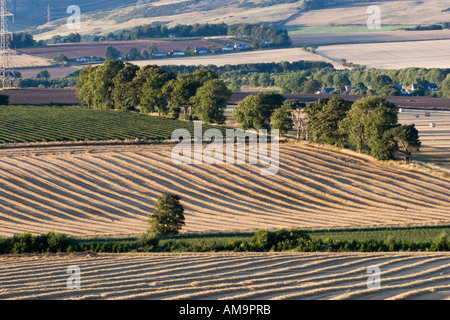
(6, 70)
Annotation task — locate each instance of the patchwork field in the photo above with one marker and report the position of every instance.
(97, 49)
(259, 276)
(110, 190)
(393, 55)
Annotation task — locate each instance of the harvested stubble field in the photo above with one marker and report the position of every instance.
(396, 12)
(227, 276)
(392, 55)
(324, 39)
(435, 141)
(110, 190)
(260, 56)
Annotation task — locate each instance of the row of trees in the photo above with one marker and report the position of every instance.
(258, 34)
(363, 82)
(369, 125)
(124, 86)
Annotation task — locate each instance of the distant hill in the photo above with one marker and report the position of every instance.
(104, 16)
(33, 13)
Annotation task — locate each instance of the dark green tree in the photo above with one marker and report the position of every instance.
(168, 216)
(402, 138)
(112, 53)
(366, 123)
(282, 119)
(324, 117)
(44, 74)
(255, 111)
(126, 91)
(210, 101)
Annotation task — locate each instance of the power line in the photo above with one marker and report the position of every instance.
(6, 70)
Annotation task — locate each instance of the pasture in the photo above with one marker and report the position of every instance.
(227, 276)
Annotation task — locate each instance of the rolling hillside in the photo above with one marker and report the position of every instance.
(227, 276)
(110, 190)
(101, 19)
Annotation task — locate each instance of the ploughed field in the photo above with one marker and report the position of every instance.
(110, 190)
(227, 276)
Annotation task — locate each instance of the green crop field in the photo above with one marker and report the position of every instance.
(19, 124)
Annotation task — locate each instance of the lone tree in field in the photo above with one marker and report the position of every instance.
(168, 217)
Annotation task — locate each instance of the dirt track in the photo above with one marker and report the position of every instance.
(227, 276)
(110, 191)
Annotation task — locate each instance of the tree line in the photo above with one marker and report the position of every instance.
(369, 125)
(362, 82)
(124, 86)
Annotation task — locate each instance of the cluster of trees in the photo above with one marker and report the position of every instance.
(23, 40)
(310, 78)
(260, 36)
(44, 80)
(180, 30)
(124, 86)
(71, 38)
(369, 125)
(257, 34)
(247, 68)
(438, 26)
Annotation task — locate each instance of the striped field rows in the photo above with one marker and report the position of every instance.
(227, 276)
(95, 190)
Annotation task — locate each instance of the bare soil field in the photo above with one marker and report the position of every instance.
(110, 190)
(97, 49)
(393, 55)
(260, 56)
(35, 96)
(325, 39)
(227, 276)
(55, 72)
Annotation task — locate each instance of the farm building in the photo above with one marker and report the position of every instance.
(241, 46)
(228, 48)
(201, 50)
(177, 53)
(160, 54)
